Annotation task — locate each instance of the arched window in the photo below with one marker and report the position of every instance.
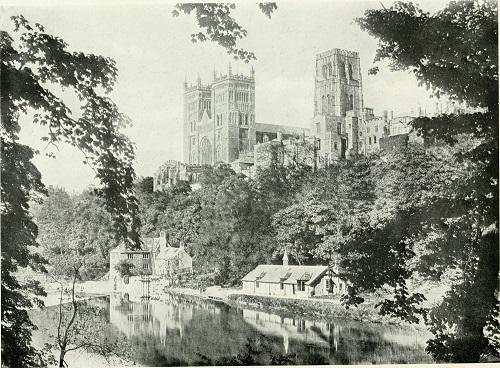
(342, 70)
(206, 152)
(351, 103)
(350, 71)
(246, 119)
(330, 71)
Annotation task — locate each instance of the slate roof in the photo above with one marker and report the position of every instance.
(168, 253)
(152, 244)
(286, 274)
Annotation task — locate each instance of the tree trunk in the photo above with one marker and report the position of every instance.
(61, 358)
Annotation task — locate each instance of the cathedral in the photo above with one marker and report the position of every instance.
(220, 123)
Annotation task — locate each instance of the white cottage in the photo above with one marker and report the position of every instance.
(292, 280)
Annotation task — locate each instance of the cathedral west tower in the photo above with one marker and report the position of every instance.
(219, 119)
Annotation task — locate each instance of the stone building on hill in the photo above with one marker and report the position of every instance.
(220, 123)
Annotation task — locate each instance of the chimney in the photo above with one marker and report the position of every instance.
(385, 115)
(163, 239)
(285, 258)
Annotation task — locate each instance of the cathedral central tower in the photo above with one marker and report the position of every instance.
(338, 102)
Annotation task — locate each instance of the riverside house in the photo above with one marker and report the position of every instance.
(156, 258)
(292, 280)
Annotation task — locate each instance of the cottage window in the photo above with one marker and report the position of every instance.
(282, 285)
(145, 255)
(130, 256)
(145, 266)
(301, 285)
(374, 139)
(328, 285)
(369, 140)
(256, 284)
(335, 145)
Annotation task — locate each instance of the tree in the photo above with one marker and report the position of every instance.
(33, 67)
(75, 226)
(217, 25)
(438, 211)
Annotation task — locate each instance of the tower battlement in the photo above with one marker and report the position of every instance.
(324, 54)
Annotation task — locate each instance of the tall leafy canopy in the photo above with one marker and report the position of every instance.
(439, 206)
(217, 25)
(34, 65)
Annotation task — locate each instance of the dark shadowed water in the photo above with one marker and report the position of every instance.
(180, 332)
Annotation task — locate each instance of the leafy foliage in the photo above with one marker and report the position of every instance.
(440, 207)
(75, 228)
(33, 67)
(217, 25)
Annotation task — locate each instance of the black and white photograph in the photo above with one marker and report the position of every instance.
(290, 183)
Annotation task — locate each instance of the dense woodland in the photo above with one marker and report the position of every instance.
(422, 213)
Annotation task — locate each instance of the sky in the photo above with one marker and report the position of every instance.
(154, 55)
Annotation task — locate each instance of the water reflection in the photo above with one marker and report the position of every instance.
(179, 332)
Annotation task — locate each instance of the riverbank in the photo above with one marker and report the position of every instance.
(83, 290)
(318, 309)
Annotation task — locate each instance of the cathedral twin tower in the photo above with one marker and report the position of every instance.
(219, 118)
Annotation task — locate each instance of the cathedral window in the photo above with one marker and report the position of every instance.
(339, 128)
(318, 129)
(374, 139)
(335, 146)
(330, 69)
(350, 71)
(342, 70)
(369, 140)
(351, 103)
(246, 119)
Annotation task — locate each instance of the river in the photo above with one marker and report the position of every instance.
(177, 332)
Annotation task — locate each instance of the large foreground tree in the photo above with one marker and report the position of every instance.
(437, 209)
(35, 67)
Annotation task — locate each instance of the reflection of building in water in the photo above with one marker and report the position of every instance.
(313, 332)
(153, 318)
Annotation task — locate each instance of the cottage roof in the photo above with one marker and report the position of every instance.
(152, 244)
(289, 274)
(169, 252)
(121, 248)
